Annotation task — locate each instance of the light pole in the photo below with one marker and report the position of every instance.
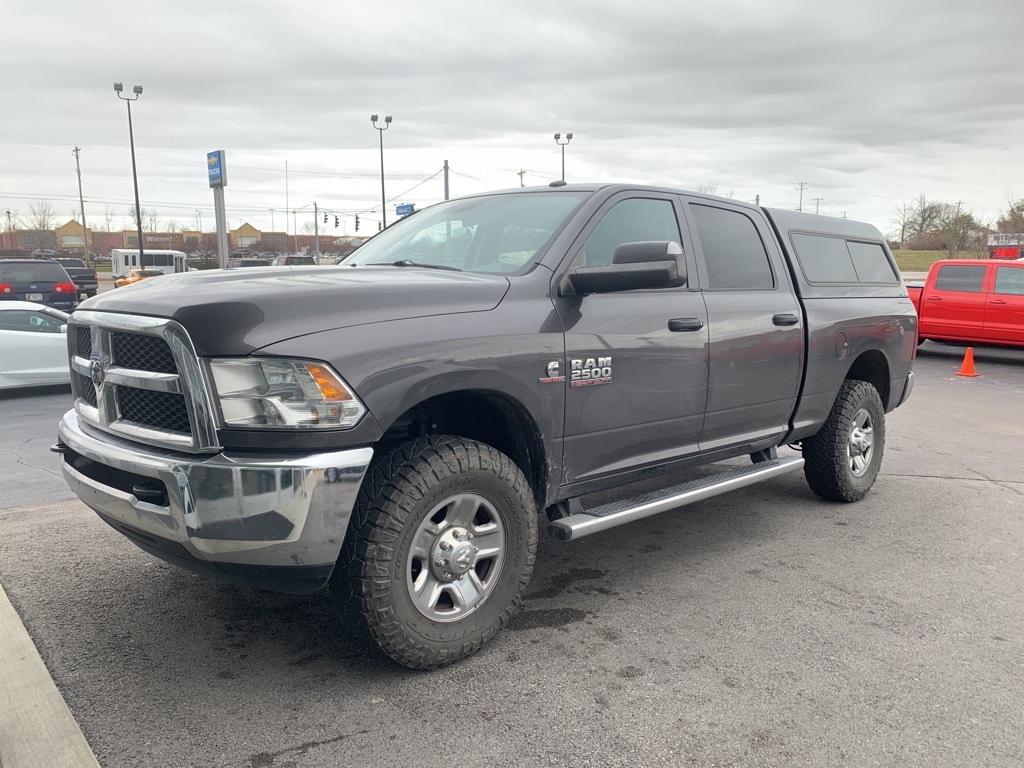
(383, 203)
(559, 142)
(137, 90)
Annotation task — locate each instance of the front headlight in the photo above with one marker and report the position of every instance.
(275, 393)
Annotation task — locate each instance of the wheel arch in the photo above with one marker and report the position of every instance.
(487, 416)
(873, 367)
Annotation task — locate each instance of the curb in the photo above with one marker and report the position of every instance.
(37, 730)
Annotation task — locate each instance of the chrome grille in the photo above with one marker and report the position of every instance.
(140, 378)
(163, 410)
(144, 353)
(87, 389)
(84, 342)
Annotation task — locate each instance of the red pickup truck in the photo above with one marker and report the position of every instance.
(975, 300)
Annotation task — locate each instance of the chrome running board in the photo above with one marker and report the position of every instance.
(616, 513)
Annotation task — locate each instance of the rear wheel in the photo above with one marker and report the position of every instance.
(440, 548)
(842, 460)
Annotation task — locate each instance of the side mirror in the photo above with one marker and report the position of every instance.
(647, 264)
(63, 329)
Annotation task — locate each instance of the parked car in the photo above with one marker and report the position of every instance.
(239, 263)
(971, 300)
(135, 276)
(33, 345)
(293, 260)
(43, 281)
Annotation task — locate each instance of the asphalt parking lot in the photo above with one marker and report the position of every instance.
(761, 628)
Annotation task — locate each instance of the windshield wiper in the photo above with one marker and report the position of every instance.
(410, 263)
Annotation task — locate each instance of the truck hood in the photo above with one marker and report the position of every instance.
(235, 312)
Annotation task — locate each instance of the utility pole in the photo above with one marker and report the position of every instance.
(817, 200)
(445, 179)
(10, 230)
(295, 229)
(520, 174)
(803, 184)
(316, 234)
(286, 206)
(81, 202)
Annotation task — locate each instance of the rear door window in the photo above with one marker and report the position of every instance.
(1010, 280)
(735, 256)
(960, 279)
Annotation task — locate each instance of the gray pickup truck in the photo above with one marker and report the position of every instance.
(394, 426)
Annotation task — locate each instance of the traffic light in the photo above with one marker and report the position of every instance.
(357, 222)
(325, 217)
(335, 222)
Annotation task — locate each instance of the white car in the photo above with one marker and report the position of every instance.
(33, 345)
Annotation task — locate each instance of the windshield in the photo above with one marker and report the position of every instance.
(494, 234)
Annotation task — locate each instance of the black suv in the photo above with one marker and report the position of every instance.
(40, 280)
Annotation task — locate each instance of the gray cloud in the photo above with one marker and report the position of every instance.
(873, 102)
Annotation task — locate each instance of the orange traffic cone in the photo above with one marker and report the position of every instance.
(967, 368)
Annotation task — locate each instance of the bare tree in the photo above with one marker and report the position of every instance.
(108, 218)
(41, 216)
(926, 215)
(172, 226)
(197, 221)
(1011, 222)
(708, 187)
(959, 229)
(904, 220)
(149, 219)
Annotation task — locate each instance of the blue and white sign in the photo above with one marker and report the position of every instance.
(405, 209)
(217, 168)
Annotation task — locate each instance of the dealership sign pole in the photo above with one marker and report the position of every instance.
(217, 168)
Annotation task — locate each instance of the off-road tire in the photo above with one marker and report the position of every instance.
(830, 459)
(404, 488)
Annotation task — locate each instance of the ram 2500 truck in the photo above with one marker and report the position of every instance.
(978, 301)
(394, 426)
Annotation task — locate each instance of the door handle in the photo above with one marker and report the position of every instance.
(997, 301)
(786, 318)
(682, 324)
(934, 298)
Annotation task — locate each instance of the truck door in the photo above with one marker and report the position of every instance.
(636, 361)
(954, 307)
(756, 352)
(1004, 312)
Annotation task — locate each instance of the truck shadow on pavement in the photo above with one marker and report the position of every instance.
(185, 629)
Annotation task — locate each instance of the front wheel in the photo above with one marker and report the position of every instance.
(842, 460)
(440, 548)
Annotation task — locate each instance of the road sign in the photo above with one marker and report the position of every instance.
(217, 168)
(404, 209)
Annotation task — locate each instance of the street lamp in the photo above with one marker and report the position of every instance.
(137, 90)
(383, 202)
(559, 142)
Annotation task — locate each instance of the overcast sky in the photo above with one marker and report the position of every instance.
(870, 102)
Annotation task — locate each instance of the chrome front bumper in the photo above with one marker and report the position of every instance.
(273, 521)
